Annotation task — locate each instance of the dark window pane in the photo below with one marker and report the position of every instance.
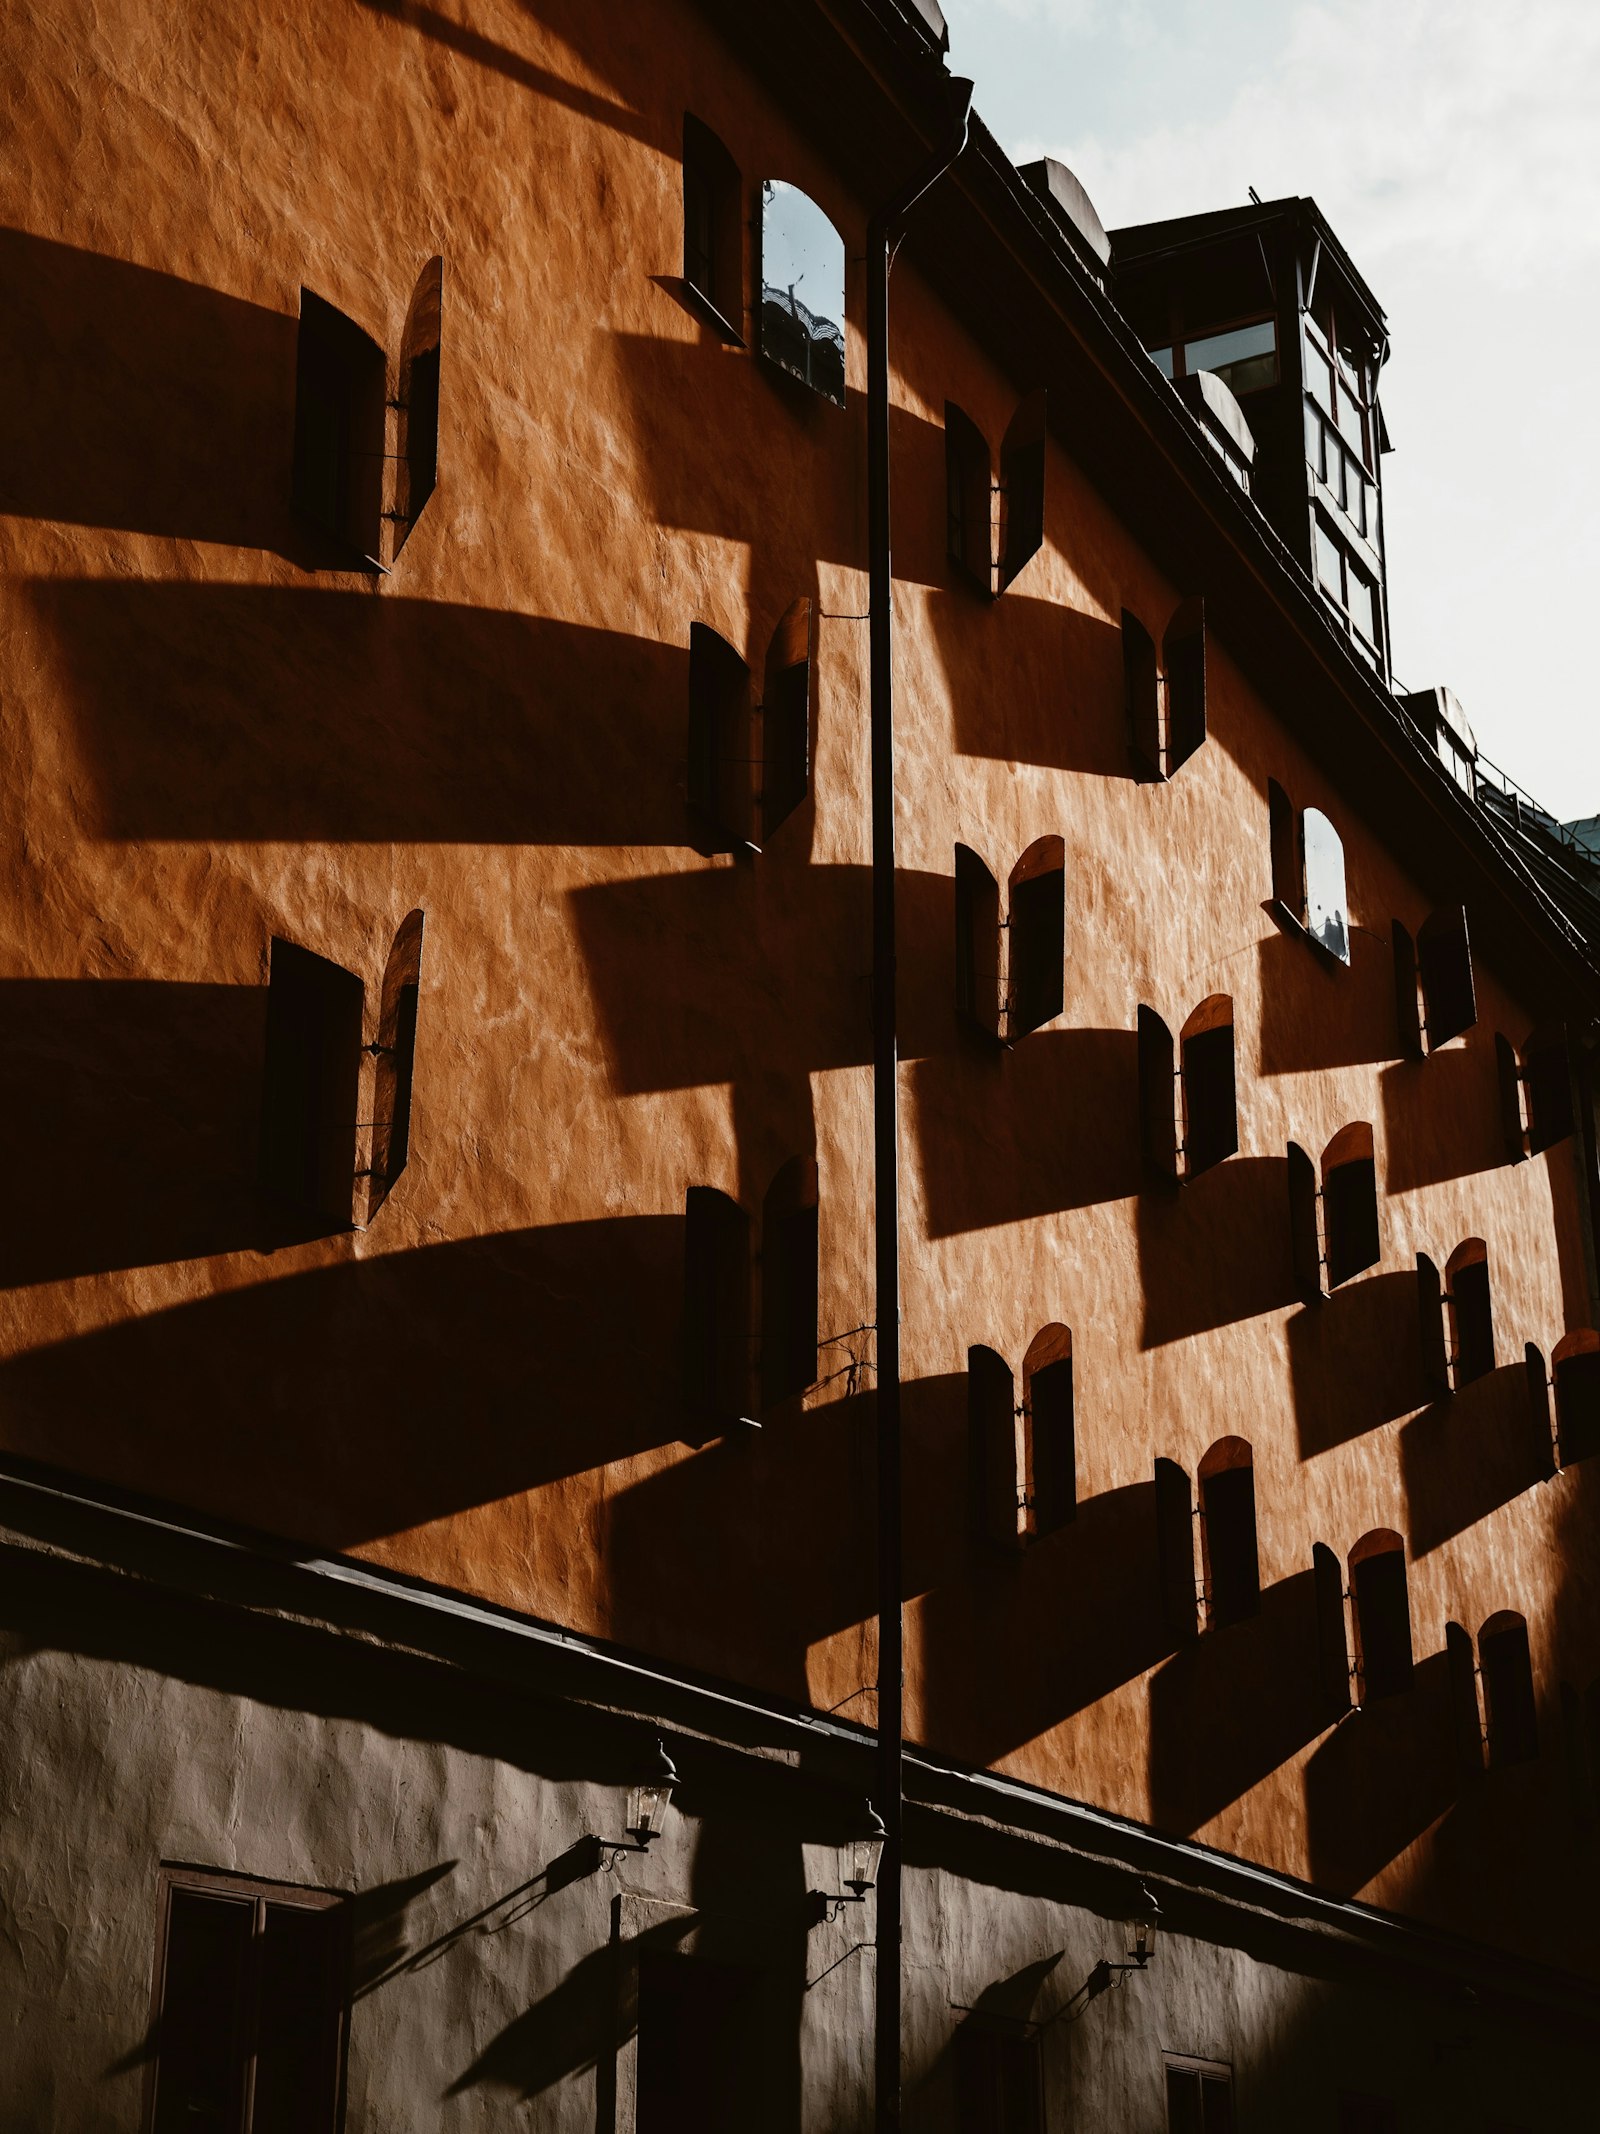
(309, 1086)
(200, 2071)
(1549, 1092)
(1469, 1292)
(1509, 1712)
(1185, 2114)
(699, 2048)
(1210, 1115)
(1383, 1622)
(1445, 958)
(1050, 1421)
(1233, 1572)
(1038, 950)
(298, 2027)
(1216, 2105)
(968, 486)
(720, 789)
(1350, 1217)
(999, 2086)
(339, 418)
(1578, 1405)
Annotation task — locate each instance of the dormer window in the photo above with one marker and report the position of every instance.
(1166, 704)
(713, 237)
(802, 289)
(1244, 357)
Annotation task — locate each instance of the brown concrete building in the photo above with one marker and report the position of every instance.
(436, 1342)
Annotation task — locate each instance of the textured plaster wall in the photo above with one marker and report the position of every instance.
(208, 743)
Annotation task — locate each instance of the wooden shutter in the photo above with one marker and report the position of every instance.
(1578, 1404)
(1288, 860)
(1505, 1060)
(396, 1043)
(1141, 694)
(1175, 1549)
(716, 1310)
(1022, 487)
(1408, 1030)
(1434, 1355)
(1466, 1726)
(299, 2020)
(977, 943)
(1444, 957)
(786, 717)
(1333, 1653)
(1157, 1094)
(419, 395)
(720, 723)
(310, 1084)
(1183, 653)
(992, 1421)
(1541, 1439)
(969, 498)
(1036, 951)
(1550, 1109)
(1303, 1237)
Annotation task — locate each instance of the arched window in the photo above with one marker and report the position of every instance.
(1210, 1112)
(716, 1311)
(1382, 1615)
(1511, 1726)
(1471, 1322)
(730, 735)
(1327, 905)
(394, 1049)
(1576, 1363)
(1232, 1574)
(789, 1281)
(1049, 1452)
(1036, 937)
(997, 1467)
(1162, 745)
(712, 233)
(988, 553)
(802, 289)
(419, 397)
(1350, 1203)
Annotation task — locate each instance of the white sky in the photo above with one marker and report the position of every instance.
(1454, 145)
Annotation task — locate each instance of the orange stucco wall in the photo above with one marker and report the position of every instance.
(208, 744)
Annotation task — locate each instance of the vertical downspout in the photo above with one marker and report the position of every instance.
(883, 233)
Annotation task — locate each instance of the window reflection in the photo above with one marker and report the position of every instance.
(1245, 358)
(802, 289)
(1327, 921)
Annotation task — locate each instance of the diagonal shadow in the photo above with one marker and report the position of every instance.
(1355, 1360)
(1232, 1706)
(368, 1397)
(278, 713)
(1316, 1014)
(129, 1119)
(1215, 1250)
(1016, 1646)
(1441, 1117)
(1052, 1124)
(1382, 1776)
(1465, 1457)
(136, 400)
(1059, 703)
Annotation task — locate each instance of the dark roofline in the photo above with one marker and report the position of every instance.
(1142, 241)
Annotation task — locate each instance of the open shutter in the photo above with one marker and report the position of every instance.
(1333, 1652)
(1175, 1549)
(786, 717)
(1578, 1403)
(1051, 1423)
(340, 411)
(1036, 953)
(969, 498)
(1541, 1438)
(419, 397)
(1550, 1107)
(310, 1085)
(1157, 1106)
(992, 1418)
(1408, 1030)
(1022, 487)
(1444, 957)
(1505, 1060)
(1303, 1238)
(1466, 1723)
(1183, 654)
(719, 741)
(1288, 858)
(396, 1045)
(716, 1310)
(1141, 694)
(1430, 1329)
(977, 943)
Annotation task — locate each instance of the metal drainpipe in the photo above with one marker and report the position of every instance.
(883, 232)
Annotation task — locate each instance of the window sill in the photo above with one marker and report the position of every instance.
(697, 301)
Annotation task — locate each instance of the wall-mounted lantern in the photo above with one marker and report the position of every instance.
(863, 1852)
(1142, 1930)
(651, 1798)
